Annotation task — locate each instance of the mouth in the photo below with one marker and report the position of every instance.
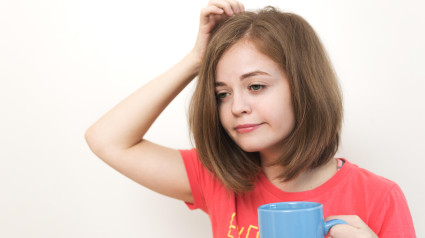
(246, 128)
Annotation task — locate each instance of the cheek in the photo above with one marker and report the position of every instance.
(288, 119)
(281, 115)
(222, 116)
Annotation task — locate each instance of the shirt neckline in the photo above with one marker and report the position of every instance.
(313, 194)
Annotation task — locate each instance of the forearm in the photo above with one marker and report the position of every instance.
(126, 124)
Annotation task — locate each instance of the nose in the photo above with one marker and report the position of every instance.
(240, 104)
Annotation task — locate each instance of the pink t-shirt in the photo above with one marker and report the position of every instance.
(379, 202)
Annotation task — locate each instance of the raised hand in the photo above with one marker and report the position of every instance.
(215, 12)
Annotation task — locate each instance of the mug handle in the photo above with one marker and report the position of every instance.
(329, 224)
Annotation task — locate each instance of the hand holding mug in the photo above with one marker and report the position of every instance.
(355, 228)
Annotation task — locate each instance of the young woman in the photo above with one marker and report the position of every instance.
(266, 118)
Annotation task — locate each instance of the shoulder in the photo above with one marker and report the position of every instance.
(192, 163)
(389, 215)
(196, 170)
(189, 153)
(368, 180)
(191, 160)
(366, 187)
(381, 201)
(205, 186)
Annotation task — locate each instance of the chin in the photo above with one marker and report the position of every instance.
(250, 148)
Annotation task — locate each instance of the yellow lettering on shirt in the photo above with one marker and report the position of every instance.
(251, 232)
(232, 227)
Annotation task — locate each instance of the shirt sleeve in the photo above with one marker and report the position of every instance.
(196, 174)
(395, 216)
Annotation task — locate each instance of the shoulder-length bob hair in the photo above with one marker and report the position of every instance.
(316, 99)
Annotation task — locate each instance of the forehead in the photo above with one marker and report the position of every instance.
(242, 58)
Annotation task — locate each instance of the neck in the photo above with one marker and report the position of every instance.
(307, 180)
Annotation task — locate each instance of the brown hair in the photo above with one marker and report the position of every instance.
(316, 99)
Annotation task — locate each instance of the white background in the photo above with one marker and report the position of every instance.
(63, 63)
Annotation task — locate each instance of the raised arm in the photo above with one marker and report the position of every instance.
(117, 137)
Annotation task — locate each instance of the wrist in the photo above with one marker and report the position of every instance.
(193, 61)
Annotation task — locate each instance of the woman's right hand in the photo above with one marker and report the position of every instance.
(215, 12)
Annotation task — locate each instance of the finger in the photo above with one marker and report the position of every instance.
(211, 9)
(236, 6)
(356, 227)
(241, 7)
(225, 5)
(343, 230)
(210, 17)
(208, 12)
(352, 220)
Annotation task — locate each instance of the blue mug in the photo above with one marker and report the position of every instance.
(294, 220)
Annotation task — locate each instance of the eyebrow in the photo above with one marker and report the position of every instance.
(245, 76)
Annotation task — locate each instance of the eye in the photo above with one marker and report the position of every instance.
(256, 87)
(221, 96)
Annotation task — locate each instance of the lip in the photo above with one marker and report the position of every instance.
(246, 128)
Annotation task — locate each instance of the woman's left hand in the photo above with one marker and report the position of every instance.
(356, 228)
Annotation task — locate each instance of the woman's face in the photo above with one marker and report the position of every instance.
(254, 99)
